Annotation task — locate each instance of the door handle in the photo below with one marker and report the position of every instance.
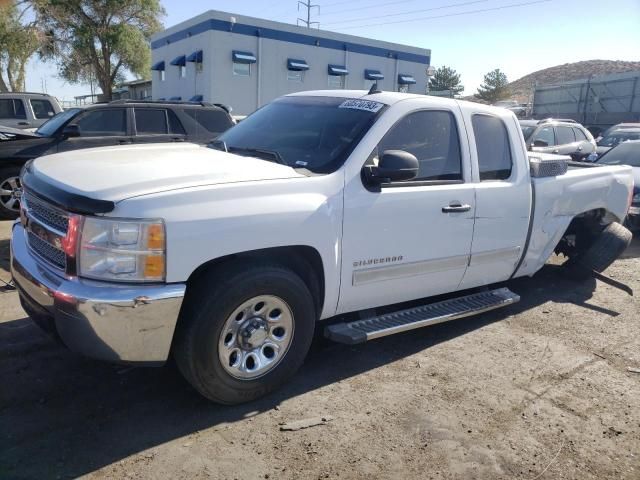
(456, 208)
(579, 149)
(177, 139)
(24, 124)
(555, 151)
(125, 142)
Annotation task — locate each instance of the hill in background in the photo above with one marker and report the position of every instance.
(522, 89)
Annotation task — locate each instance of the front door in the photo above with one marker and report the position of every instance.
(409, 240)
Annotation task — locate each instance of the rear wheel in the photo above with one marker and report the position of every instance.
(605, 248)
(10, 193)
(244, 331)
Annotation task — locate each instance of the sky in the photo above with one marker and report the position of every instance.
(471, 36)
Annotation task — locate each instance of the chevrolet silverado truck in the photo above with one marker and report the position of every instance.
(343, 210)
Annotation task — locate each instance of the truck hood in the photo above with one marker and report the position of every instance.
(117, 173)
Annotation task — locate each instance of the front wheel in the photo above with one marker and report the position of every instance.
(244, 331)
(10, 193)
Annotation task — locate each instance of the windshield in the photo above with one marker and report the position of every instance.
(618, 137)
(49, 127)
(315, 133)
(527, 130)
(623, 154)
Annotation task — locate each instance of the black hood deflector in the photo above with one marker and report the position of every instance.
(70, 202)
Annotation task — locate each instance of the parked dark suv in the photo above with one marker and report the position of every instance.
(564, 137)
(121, 122)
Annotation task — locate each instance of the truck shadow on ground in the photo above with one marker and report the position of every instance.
(64, 416)
(4, 254)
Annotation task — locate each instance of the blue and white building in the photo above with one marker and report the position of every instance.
(245, 62)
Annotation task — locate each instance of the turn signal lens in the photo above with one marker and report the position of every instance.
(155, 236)
(154, 266)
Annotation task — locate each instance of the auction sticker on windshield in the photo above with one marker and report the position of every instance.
(367, 105)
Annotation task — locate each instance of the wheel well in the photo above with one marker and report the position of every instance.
(305, 261)
(583, 230)
(12, 163)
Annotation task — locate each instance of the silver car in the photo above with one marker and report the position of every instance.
(27, 110)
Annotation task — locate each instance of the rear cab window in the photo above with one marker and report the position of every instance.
(495, 161)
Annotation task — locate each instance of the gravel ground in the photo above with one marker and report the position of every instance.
(541, 389)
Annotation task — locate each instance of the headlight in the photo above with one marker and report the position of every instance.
(122, 250)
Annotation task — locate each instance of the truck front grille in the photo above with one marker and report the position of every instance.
(46, 251)
(46, 214)
(46, 228)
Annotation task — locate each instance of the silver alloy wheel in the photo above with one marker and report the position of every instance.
(256, 337)
(10, 193)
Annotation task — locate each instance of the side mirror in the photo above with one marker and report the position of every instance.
(71, 130)
(540, 143)
(395, 166)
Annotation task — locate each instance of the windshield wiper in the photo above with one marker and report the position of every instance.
(271, 154)
(219, 143)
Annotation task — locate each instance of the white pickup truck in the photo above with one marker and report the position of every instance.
(321, 205)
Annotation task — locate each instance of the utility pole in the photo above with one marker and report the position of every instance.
(308, 6)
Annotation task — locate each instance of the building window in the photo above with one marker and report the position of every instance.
(242, 62)
(336, 81)
(242, 69)
(404, 82)
(162, 75)
(295, 76)
(183, 71)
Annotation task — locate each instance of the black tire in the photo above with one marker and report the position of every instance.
(208, 305)
(5, 174)
(604, 250)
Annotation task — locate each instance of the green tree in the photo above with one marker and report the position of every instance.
(494, 87)
(100, 39)
(446, 78)
(19, 40)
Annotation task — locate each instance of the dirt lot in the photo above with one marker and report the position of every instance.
(539, 390)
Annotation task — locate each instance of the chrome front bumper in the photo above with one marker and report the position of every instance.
(107, 321)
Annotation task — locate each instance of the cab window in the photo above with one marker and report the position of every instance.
(430, 135)
(492, 144)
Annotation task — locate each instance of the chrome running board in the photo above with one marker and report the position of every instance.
(361, 331)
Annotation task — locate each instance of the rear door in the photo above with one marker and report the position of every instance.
(13, 113)
(157, 125)
(502, 195)
(99, 127)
